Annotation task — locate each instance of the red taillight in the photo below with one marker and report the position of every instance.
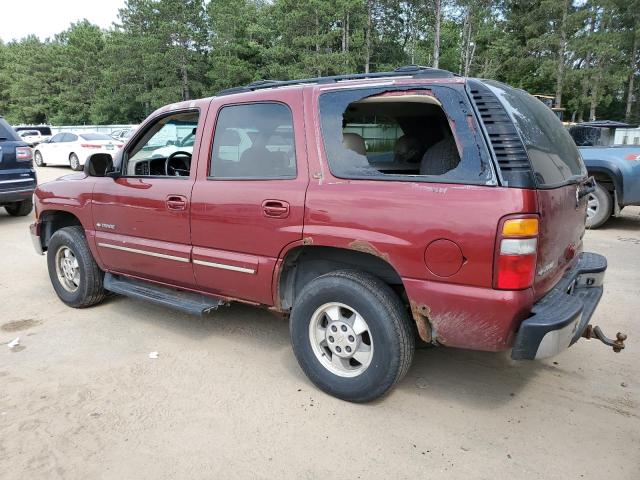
(90, 145)
(515, 266)
(515, 272)
(23, 154)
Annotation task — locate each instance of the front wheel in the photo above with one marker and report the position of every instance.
(74, 162)
(74, 274)
(599, 207)
(20, 209)
(351, 335)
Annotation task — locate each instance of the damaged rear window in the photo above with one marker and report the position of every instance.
(403, 134)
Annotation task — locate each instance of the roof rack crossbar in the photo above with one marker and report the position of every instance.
(415, 71)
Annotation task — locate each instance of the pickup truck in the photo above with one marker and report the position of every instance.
(371, 209)
(616, 169)
(17, 175)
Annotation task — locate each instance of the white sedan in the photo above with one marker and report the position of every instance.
(73, 149)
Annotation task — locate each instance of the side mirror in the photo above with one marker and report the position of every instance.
(100, 165)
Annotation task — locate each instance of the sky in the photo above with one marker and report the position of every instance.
(45, 18)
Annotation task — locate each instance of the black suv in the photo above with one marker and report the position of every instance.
(17, 176)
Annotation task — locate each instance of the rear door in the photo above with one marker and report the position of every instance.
(68, 145)
(141, 218)
(248, 200)
(51, 151)
(558, 171)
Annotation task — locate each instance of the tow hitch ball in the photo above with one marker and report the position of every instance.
(595, 332)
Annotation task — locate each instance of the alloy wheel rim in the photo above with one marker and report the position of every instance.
(341, 339)
(67, 269)
(593, 204)
(74, 162)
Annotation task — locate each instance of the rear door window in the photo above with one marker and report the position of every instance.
(553, 154)
(254, 141)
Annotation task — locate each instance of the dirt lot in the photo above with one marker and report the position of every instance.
(80, 398)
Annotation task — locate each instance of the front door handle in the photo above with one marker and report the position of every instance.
(275, 209)
(176, 203)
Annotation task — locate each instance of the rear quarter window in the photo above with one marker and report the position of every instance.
(553, 154)
(412, 133)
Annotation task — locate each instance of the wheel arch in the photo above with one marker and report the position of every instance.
(607, 174)
(54, 220)
(303, 263)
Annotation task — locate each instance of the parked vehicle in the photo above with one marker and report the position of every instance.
(17, 176)
(45, 130)
(31, 137)
(67, 148)
(616, 169)
(123, 134)
(448, 217)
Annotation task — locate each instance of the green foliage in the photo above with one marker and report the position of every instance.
(162, 51)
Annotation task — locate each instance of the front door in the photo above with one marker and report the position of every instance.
(248, 200)
(141, 218)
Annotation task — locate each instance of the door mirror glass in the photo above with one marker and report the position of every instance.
(100, 165)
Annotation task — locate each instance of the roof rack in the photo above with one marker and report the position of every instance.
(414, 71)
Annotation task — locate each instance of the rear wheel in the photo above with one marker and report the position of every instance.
(20, 209)
(351, 335)
(74, 162)
(37, 157)
(74, 274)
(599, 207)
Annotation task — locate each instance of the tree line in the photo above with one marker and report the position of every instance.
(583, 53)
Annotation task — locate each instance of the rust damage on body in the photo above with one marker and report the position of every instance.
(366, 247)
(420, 313)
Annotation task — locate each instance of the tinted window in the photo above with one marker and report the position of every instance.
(6, 132)
(554, 157)
(58, 137)
(95, 136)
(70, 137)
(254, 141)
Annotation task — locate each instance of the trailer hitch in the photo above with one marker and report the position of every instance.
(595, 332)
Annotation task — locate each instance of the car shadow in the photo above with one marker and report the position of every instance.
(623, 222)
(262, 328)
(484, 380)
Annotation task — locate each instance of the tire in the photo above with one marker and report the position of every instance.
(88, 289)
(599, 207)
(37, 158)
(74, 162)
(389, 334)
(20, 209)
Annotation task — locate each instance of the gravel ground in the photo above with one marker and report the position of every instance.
(80, 397)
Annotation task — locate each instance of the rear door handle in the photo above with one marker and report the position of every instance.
(176, 203)
(275, 209)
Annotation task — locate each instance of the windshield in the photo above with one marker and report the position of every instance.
(95, 136)
(554, 157)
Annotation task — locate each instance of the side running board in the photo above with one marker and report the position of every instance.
(188, 302)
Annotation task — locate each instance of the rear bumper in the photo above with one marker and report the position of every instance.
(17, 184)
(16, 194)
(560, 317)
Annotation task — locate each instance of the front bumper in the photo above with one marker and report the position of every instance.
(560, 317)
(36, 238)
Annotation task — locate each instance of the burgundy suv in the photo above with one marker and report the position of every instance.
(373, 209)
